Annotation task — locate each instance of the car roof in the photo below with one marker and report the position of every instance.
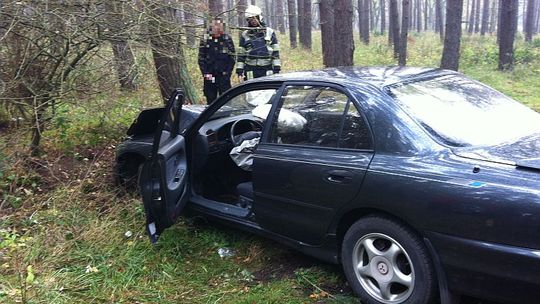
(376, 76)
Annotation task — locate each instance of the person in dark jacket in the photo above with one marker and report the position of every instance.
(216, 60)
(258, 52)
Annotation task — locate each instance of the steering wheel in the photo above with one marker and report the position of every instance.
(237, 139)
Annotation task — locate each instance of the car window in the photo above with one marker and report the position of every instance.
(355, 133)
(314, 116)
(461, 112)
(245, 103)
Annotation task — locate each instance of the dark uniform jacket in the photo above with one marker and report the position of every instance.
(216, 55)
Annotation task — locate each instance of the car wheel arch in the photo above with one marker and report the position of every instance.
(127, 168)
(352, 216)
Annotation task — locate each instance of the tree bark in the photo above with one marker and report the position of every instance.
(470, 26)
(530, 19)
(344, 46)
(293, 22)
(439, 19)
(363, 18)
(383, 16)
(493, 17)
(508, 22)
(124, 62)
(394, 26)
(326, 12)
(418, 16)
(452, 40)
(477, 17)
(281, 17)
(426, 15)
(404, 32)
(215, 7)
(485, 18)
(304, 23)
(168, 54)
(190, 19)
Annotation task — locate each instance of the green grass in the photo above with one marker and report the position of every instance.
(63, 239)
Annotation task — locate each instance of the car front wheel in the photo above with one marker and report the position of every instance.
(386, 262)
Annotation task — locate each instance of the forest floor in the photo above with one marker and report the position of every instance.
(68, 234)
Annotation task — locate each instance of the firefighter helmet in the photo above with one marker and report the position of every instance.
(253, 11)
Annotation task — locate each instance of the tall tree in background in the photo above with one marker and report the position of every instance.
(326, 12)
(304, 23)
(405, 11)
(529, 20)
(477, 17)
(507, 31)
(452, 38)
(485, 18)
(363, 20)
(189, 17)
(394, 26)
(439, 22)
(344, 42)
(493, 17)
(215, 7)
(293, 22)
(241, 8)
(280, 17)
(123, 58)
(418, 16)
(383, 16)
(168, 53)
(470, 25)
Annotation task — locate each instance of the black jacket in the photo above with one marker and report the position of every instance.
(216, 55)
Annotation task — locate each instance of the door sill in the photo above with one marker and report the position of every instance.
(223, 208)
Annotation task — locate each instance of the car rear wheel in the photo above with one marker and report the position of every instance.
(386, 262)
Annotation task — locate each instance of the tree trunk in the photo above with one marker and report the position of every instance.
(124, 63)
(326, 12)
(383, 16)
(304, 23)
(168, 54)
(426, 15)
(470, 26)
(477, 17)
(404, 32)
(363, 18)
(189, 16)
(509, 12)
(485, 18)
(529, 24)
(241, 7)
(394, 26)
(418, 16)
(537, 26)
(215, 7)
(493, 17)
(439, 19)
(452, 40)
(293, 22)
(344, 42)
(281, 18)
(268, 14)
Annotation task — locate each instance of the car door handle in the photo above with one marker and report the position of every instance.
(339, 176)
(178, 175)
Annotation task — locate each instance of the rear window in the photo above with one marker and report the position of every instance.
(461, 112)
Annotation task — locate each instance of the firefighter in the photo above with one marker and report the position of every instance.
(258, 54)
(216, 60)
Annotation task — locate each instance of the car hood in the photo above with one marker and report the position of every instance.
(524, 152)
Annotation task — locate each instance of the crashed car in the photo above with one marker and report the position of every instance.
(422, 183)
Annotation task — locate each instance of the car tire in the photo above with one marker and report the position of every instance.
(393, 264)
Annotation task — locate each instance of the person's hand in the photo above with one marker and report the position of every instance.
(208, 77)
(276, 70)
(240, 74)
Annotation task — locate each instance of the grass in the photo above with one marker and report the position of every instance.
(64, 224)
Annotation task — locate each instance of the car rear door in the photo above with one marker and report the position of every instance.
(164, 179)
(311, 161)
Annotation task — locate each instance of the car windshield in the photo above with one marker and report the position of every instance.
(245, 103)
(462, 112)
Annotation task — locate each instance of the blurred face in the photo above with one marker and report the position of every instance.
(216, 28)
(253, 21)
